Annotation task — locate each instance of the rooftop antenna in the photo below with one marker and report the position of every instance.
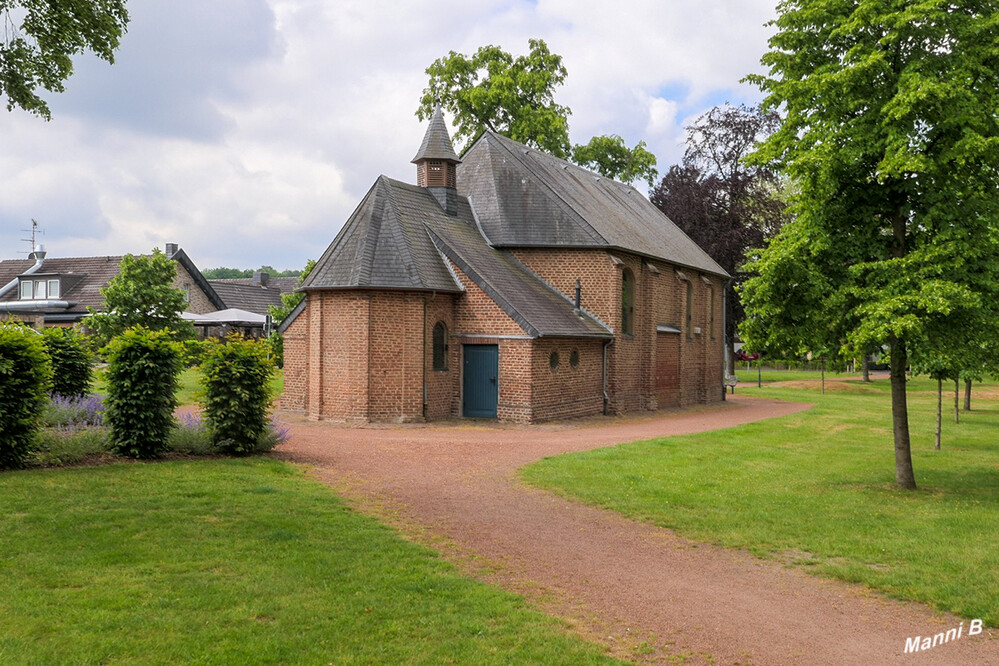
(35, 232)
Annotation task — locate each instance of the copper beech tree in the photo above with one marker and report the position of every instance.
(725, 205)
(891, 136)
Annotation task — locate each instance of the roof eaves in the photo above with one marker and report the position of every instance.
(292, 316)
(480, 280)
(181, 258)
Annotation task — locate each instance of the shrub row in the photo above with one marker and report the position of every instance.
(142, 374)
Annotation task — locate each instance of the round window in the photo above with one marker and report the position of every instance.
(574, 358)
(553, 360)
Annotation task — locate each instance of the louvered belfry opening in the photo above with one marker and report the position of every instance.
(437, 164)
(436, 173)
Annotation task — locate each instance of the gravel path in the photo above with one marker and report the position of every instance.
(648, 594)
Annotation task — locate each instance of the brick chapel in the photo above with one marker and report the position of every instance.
(508, 285)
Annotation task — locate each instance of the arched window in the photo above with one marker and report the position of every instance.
(627, 302)
(440, 346)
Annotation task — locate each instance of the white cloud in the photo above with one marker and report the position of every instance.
(247, 131)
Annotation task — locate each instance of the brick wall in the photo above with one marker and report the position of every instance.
(442, 385)
(396, 356)
(359, 356)
(296, 364)
(566, 391)
(199, 302)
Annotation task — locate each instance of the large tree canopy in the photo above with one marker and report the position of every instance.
(891, 136)
(725, 205)
(515, 97)
(38, 39)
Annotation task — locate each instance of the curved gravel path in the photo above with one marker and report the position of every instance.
(648, 594)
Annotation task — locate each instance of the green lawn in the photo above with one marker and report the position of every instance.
(237, 561)
(817, 489)
(189, 384)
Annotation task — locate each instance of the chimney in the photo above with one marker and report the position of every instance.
(171, 249)
(437, 164)
(38, 254)
(260, 278)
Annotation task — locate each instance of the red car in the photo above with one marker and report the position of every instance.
(743, 356)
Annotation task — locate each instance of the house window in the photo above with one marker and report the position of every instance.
(26, 290)
(553, 360)
(627, 302)
(40, 290)
(690, 310)
(440, 346)
(53, 288)
(187, 293)
(574, 358)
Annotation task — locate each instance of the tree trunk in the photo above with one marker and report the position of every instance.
(967, 395)
(865, 366)
(939, 410)
(957, 400)
(904, 475)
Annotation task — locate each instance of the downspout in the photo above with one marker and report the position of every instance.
(726, 342)
(432, 295)
(39, 257)
(606, 396)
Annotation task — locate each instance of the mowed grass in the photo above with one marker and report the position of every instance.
(189, 385)
(817, 489)
(237, 562)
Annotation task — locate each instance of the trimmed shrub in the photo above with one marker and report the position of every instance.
(25, 378)
(235, 374)
(71, 362)
(194, 351)
(142, 391)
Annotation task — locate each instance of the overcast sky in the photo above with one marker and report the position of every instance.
(248, 130)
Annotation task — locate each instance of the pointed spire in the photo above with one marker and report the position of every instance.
(436, 142)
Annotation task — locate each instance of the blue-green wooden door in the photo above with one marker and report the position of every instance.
(481, 381)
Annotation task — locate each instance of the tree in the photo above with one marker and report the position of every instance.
(515, 97)
(142, 294)
(725, 205)
(291, 300)
(37, 52)
(892, 137)
(510, 96)
(610, 157)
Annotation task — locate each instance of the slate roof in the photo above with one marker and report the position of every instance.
(536, 307)
(436, 142)
(398, 238)
(526, 198)
(384, 243)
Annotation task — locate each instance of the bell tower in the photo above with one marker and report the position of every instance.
(437, 164)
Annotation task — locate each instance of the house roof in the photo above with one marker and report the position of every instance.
(250, 297)
(88, 275)
(536, 306)
(384, 243)
(95, 272)
(398, 238)
(436, 142)
(526, 198)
